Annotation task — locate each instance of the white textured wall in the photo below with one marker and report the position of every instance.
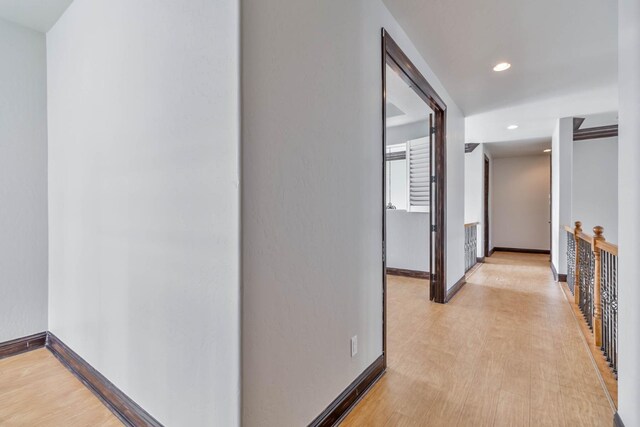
(474, 192)
(562, 173)
(312, 220)
(594, 198)
(144, 200)
(629, 212)
(23, 182)
(403, 133)
(489, 155)
(520, 208)
(408, 240)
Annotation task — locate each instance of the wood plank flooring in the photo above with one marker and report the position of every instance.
(37, 390)
(506, 351)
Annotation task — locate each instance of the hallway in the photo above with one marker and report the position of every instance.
(506, 351)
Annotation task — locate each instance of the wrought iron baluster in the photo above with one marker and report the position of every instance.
(614, 314)
(571, 261)
(470, 245)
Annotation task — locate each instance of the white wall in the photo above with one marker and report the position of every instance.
(520, 208)
(312, 223)
(408, 240)
(23, 182)
(562, 172)
(629, 212)
(474, 192)
(144, 200)
(594, 198)
(488, 153)
(403, 133)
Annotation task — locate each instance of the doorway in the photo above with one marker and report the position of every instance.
(425, 182)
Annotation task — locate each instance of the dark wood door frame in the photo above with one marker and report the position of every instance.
(393, 56)
(485, 224)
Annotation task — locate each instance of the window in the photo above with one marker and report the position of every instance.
(418, 175)
(396, 177)
(408, 176)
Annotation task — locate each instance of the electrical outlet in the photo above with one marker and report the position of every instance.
(354, 345)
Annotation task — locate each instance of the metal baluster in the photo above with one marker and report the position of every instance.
(604, 284)
(571, 261)
(609, 311)
(614, 286)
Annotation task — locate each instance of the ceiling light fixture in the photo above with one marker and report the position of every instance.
(548, 150)
(502, 66)
(512, 127)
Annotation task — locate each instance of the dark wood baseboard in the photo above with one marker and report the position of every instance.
(455, 288)
(521, 250)
(123, 407)
(617, 421)
(416, 274)
(22, 345)
(491, 251)
(480, 259)
(558, 277)
(340, 407)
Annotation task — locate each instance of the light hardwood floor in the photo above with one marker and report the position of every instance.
(506, 351)
(36, 390)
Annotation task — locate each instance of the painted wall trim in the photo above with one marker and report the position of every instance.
(522, 250)
(456, 288)
(343, 404)
(416, 274)
(558, 277)
(122, 406)
(617, 421)
(480, 259)
(22, 345)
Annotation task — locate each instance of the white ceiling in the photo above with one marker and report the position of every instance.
(403, 97)
(595, 120)
(39, 15)
(528, 147)
(536, 146)
(537, 119)
(563, 55)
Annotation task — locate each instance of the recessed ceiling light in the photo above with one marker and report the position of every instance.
(548, 150)
(512, 127)
(502, 66)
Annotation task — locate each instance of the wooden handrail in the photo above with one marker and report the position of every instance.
(600, 244)
(585, 237)
(608, 247)
(471, 224)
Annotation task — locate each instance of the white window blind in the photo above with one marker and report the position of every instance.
(418, 177)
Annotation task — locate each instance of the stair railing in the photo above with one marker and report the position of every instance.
(592, 276)
(470, 245)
